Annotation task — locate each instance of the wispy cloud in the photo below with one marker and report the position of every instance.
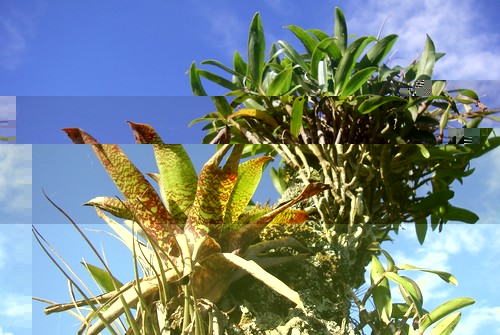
(17, 27)
(4, 333)
(7, 108)
(490, 182)
(15, 178)
(225, 28)
(16, 306)
(455, 27)
(479, 317)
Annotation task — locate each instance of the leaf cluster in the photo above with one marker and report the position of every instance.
(332, 92)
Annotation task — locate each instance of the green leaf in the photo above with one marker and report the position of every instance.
(249, 175)
(102, 277)
(142, 197)
(461, 214)
(444, 310)
(320, 34)
(474, 123)
(348, 61)
(293, 55)
(222, 106)
(281, 83)
(356, 81)
(438, 86)
(390, 260)
(218, 80)
(421, 229)
(256, 51)
(433, 200)
(426, 63)
(409, 288)
(307, 40)
(381, 293)
(178, 179)
(239, 64)
(376, 101)
(257, 114)
(297, 110)
(447, 325)
(340, 30)
(113, 206)
(223, 67)
(377, 53)
(278, 182)
(325, 47)
(466, 92)
(447, 277)
(424, 151)
(444, 119)
(406, 296)
(195, 81)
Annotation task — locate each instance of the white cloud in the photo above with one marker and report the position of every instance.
(455, 27)
(17, 27)
(7, 108)
(16, 306)
(478, 317)
(15, 177)
(490, 181)
(15, 248)
(225, 29)
(4, 333)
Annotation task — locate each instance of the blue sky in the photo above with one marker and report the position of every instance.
(15, 245)
(71, 175)
(40, 119)
(121, 49)
(118, 48)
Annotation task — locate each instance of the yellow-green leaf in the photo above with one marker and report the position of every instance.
(249, 175)
(102, 277)
(257, 114)
(297, 111)
(443, 310)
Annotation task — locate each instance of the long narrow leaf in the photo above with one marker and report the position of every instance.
(294, 55)
(348, 61)
(297, 111)
(340, 30)
(196, 85)
(426, 64)
(357, 80)
(281, 83)
(256, 51)
(377, 53)
(307, 40)
(443, 310)
(249, 175)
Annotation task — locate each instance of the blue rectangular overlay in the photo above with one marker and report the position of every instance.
(7, 120)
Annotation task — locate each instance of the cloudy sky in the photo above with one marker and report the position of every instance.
(15, 241)
(115, 49)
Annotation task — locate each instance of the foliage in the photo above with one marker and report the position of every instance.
(200, 231)
(333, 92)
(376, 188)
(339, 93)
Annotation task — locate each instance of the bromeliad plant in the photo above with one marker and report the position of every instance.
(201, 231)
